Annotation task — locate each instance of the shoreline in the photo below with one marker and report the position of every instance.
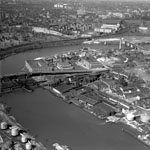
(37, 45)
(4, 53)
(11, 123)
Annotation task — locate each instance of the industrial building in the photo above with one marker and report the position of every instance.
(107, 28)
(90, 63)
(37, 65)
(103, 110)
(64, 65)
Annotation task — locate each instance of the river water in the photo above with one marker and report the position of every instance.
(52, 120)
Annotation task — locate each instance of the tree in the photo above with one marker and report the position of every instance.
(122, 81)
(123, 24)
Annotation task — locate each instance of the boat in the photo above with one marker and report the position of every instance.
(27, 88)
(58, 93)
(54, 91)
(60, 147)
(39, 58)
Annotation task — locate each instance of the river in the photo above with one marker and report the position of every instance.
(52, 120)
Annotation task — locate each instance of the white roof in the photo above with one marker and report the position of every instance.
(109, 26)
(143, 28)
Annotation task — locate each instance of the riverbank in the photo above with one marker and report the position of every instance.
(37, 112)
(38, 45)
(48, 44)
(13, 135)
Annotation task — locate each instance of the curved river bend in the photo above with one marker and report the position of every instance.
(52, 120)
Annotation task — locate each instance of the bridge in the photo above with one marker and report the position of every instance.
(41, 73)
(130, 44)
(24, 80)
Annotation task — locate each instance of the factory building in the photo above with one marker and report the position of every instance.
(103, 110)
(90, 63)
(144, 30)
(145, 118)
(103, 30)
(64, 65)
(130, 116)
(107, 28)
(62, 6)
(37, 65)
(111, 26)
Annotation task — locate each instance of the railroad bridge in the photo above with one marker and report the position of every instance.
(24, 80)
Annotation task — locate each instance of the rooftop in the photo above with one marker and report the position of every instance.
(91, 59)
(37, 63)
(64, 63)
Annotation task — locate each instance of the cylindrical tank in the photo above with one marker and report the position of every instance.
(131, 46)
(123, 42)
(28, 146)
(4, 125)
(24, 139)
(123, 111)
(130, 116)
(128, 44)
(14, 131)
(145, 118)
(138, 97)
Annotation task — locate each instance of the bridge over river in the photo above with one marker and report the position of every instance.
(25, 80)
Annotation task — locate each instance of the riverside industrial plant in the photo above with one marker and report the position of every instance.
(111, 83)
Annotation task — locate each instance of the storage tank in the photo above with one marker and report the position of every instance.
(131, 46)
(28, 146)
(145, 118)
(14, 131)
(128, 44)
(130, 116)
(4, 125)
(123, 42)
(24, 139)
(123, 111)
